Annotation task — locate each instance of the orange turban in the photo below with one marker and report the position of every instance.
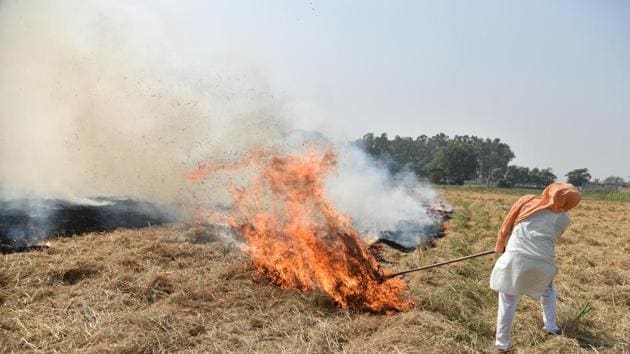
(558, 197)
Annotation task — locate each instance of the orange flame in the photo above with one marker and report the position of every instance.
(297, 239)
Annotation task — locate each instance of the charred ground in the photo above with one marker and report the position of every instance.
(159, 289)
(25, 222)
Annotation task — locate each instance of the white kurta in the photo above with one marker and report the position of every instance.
(527, 266)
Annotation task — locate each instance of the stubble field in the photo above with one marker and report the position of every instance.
(159, 290)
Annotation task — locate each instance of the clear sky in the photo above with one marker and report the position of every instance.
(550, 78)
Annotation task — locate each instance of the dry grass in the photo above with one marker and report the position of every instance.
(152, 291)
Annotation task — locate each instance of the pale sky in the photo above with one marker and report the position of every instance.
(550, 78)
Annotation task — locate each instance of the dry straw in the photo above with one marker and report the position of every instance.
(154, 291)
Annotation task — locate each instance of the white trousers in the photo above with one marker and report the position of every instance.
(507, 308)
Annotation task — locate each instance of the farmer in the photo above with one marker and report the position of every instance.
(526, 265)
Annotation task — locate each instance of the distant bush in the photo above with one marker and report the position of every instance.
(505, 183)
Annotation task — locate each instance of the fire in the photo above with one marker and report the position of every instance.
(297, 239)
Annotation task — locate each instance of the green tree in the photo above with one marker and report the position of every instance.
(523, 176)
(405, 153)
(578, 176)
(453, 164)
(421, 155)
(381, 145)
(546, 177)
(493, 156)
(401, 151)
(367, 143)
(614, 180)
(516, 175)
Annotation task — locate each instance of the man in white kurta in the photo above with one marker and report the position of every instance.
(527, 267)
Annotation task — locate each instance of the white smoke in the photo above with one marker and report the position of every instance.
(381, 205)
(97, 102)
(377, 201)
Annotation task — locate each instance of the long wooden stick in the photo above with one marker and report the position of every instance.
(438, 264)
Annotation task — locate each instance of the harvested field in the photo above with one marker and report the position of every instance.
(157, 290)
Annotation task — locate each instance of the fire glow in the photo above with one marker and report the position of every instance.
(297, 239)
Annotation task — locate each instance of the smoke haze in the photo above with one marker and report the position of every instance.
(378, 201)
(96, 102)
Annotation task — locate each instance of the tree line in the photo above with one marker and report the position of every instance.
(581, 176)
(445, 160)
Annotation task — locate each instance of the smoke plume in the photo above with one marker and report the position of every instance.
(97, 102)
(378, 202)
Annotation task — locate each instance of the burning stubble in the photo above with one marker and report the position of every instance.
(95, 102)
(297, 239)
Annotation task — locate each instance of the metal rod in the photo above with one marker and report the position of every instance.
(438, 264)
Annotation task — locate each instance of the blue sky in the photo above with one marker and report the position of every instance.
(552, 79)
